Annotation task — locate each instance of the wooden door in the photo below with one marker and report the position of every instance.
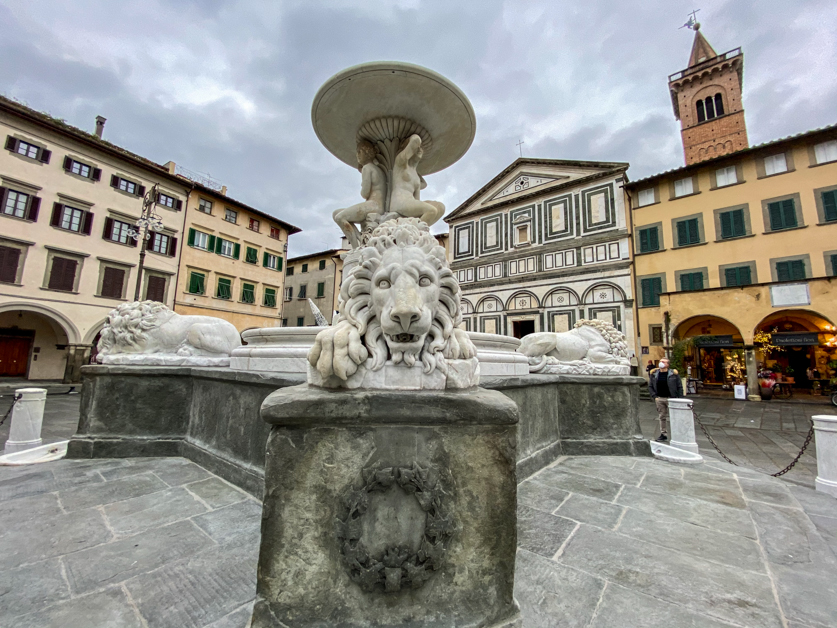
(14, 356)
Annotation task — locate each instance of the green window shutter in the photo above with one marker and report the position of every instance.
(726, 225)
(651, 289)
(270, 297)
(834, 265)
(191, 237)
(321, 289)
(210, 245)
(279, 264)
(682, 234)
(829, 205)
(731, 276)
(694, 232)
(251, 256)
(218, 243)
(654, 239)
(264, 260)
(657, 288)
(685, 282)
(738, 226)
(196, 283)
(224, 288)
(248, 293)
(783, 271)
(697, 281)
(744, 278)
(644, 247)
(788, 212)
(236, 250)
(797, 269)
(775, 210)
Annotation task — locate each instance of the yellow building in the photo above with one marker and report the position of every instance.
(318, 277)
(739, 244)
(231, 261)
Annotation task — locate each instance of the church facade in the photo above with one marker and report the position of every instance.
(542, 245)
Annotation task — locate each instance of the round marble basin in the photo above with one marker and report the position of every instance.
(389, 90)
(275, 349)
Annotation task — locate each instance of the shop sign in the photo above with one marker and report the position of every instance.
(715, 341)
(798, 339)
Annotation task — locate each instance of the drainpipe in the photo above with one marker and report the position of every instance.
(183, 237)
(632, 255)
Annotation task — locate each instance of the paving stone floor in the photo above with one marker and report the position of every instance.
(603, 542)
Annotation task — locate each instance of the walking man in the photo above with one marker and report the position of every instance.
(663, 384)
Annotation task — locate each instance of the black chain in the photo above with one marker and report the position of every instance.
(775, 475)
(15, 399)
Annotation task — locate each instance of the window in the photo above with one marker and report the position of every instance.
(168, 201)
(289, 294)
(224, 290)
(732, 224)
(290, 271)
(649, 240)
(230, 215)
(163, 244)
(254, 225)
(688, 232)
(709, 105)
(62, 275)
(155, 289)
(224, 247)
(205, 206)
(522, 234)
(782, 214)
(273, 262)
(834, 265)
(305, 268)
(284, 322)
(118, 231)
(719, 105)
(112, 282)
(701, 111)
(71, 219)
(829, 205)
(738, 276)
(300, 321)
(463, 241)
(825, 152)
(15, 204)
(251, 256)
(201, 240)
(320, 289)
(775, 164)
(646, 197)
(793, 270)
(651, 289)
(656, 334)
(248, 293)
(322, 264)
(490, 234)
(303, 292)
(269, 297)
(691, 281)
(196, 283)
(725, 176)
(275, 233)
(27, 150)
(126, 186)
(683, 187)
(82, 169)
(9, 259)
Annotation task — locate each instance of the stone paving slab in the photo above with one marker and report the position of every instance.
(605, 542)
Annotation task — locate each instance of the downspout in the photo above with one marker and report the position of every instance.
(183, 238)
(631, 254)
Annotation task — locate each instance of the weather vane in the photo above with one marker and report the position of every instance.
(520, 144)
(692, 22)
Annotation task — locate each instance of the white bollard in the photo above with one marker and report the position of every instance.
(825, 431)
(27, 417)
(682, 424)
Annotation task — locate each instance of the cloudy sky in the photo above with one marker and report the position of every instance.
(225, 87)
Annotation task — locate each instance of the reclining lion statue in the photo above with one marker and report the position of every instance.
(593, 347)
(399, 306)
(148, 332)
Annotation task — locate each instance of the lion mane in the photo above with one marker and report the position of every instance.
(355, 301)
(129, 324)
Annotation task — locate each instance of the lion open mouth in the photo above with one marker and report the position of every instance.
(405, 338)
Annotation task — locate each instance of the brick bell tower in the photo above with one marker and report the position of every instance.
(707, 101)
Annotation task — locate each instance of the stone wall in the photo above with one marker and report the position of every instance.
(211, 416)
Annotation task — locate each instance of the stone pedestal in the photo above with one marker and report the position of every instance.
(825, 431)
(682, 424)
(388, 508)
(27, 417)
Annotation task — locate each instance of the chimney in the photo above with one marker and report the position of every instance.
(100, 126)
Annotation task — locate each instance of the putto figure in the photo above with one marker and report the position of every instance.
(407, 185)
(373, 188)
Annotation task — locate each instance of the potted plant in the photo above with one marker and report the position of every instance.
(789, 372)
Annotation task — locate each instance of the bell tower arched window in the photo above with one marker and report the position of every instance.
(719, 105)
(701, 114)
(710, 108)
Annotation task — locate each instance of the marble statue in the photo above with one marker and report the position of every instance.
(148, 332)
(399, 307)
(407, 184)
(373, 189)
(592, 347)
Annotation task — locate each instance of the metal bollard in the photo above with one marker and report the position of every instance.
(825, 431)
(682, 424)
(27, 417)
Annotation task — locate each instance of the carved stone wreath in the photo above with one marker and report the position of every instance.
(397, 567)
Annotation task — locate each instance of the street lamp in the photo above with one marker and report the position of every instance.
(148, 222)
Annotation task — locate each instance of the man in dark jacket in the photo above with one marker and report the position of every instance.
(663, 384)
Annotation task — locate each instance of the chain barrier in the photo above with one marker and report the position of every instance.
(15, 399)
(727, 458)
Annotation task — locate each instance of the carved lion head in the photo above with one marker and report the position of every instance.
(403, 298)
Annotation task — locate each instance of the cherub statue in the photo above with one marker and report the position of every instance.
(407, 185)
(373, 188)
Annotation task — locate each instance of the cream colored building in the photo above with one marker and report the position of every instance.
(66, 257)
(317, 277)
(543, 244)
(232, 261)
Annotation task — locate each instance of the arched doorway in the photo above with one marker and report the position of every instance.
(799, 347)
(33, 344)
(524, 313)
(710, 349)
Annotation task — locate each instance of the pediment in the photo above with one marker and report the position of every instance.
(524, 182)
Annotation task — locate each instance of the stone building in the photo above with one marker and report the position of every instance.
(317, 277)
(706, 97)
(543, 244)
(232, 261)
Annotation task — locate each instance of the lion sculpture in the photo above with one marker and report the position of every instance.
(399, 307)
(592, 347)
(147, 332)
